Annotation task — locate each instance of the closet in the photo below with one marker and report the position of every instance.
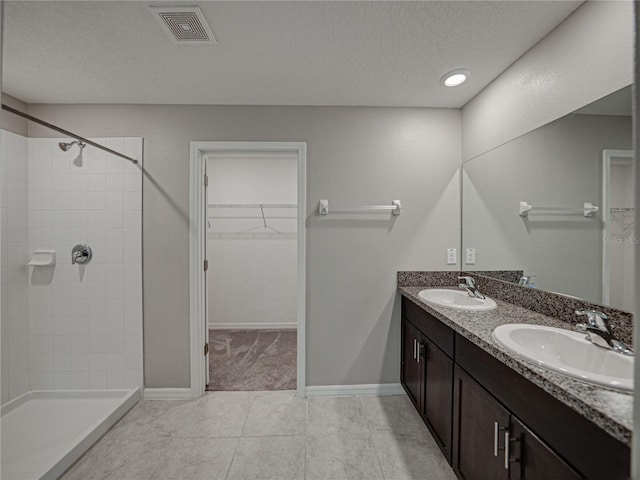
(251, 280)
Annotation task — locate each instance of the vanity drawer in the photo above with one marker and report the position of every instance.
(430, 326)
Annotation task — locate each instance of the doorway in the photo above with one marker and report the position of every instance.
(227, 216)
(251, 285)
(619, 238)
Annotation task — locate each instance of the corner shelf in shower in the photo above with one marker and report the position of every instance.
(42, 258)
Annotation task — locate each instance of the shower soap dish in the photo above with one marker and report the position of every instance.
(43, 258)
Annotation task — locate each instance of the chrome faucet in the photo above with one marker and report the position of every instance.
(527, 281)
(470, 287)
(600, 332)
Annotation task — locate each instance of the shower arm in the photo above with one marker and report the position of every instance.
(66, 132)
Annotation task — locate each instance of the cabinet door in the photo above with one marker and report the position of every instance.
(438, 396)
(411, 369)
(532, 459)
(479, 427)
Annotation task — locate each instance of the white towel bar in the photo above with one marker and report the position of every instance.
(587, 210)
(395, 208)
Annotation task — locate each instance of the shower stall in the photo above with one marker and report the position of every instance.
(71, 318)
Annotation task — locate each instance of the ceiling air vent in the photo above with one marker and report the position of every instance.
(185, 25)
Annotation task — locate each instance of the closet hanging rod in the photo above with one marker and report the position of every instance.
(66, 132)
(395, 208)
(588, 209)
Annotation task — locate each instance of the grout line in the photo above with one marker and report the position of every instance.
(235, 451)
(253, 399)
(267, 436)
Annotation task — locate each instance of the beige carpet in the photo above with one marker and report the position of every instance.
(252, 360)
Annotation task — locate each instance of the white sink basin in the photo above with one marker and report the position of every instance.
(567, 352)
(456, 299)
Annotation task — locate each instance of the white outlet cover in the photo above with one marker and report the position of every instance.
(470, 258)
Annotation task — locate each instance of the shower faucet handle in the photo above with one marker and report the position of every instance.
(81, 253)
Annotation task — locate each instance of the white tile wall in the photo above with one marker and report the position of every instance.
(86, 320)
(14, 286)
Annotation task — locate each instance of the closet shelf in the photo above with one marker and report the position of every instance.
(252, 210)
(253, 205)
(623, 216)
(620, 210)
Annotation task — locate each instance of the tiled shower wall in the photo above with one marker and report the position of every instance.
(86, 320)
(70, 326)
(15, 280)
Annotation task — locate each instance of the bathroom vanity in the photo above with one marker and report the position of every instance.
(497, 416)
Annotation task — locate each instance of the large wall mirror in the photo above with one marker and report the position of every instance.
(557, 204)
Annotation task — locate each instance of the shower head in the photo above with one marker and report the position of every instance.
(66, 146)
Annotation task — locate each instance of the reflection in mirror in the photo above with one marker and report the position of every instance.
(553, 237)
(618, 239)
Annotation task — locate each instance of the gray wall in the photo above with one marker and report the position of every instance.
(556, 165)
(586, 57)
(10, 121)
(355, 155)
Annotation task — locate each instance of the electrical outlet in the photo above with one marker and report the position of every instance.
(470, 258)
(452, 257)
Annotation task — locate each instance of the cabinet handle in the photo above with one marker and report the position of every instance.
(414, 348)
(509, 439)
(506, 450)
(496, 441)
(421, 349)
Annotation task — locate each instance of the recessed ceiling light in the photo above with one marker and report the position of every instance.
(455, 77)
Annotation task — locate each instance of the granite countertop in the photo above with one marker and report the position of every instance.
(611, 410)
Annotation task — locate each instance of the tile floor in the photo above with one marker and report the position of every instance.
(266, 435)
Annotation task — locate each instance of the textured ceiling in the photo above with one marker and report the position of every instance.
(268, 53)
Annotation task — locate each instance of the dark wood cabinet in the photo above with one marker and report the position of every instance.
(532, 459)
(480, 429)
(412, 373)
(427, 373)
(492, 423)
(438, 395)
(490, 442)
(591, 451)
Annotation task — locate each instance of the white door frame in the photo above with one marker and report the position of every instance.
(197, 251)
(608, 156)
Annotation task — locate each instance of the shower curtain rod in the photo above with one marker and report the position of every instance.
(65, 132)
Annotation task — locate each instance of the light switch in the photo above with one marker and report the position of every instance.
(452, 257)
(470, 258)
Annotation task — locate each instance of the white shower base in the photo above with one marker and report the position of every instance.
(44, 432)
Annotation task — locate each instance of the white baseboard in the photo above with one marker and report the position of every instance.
(253, 326)
(167, 394)
(345, 390)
